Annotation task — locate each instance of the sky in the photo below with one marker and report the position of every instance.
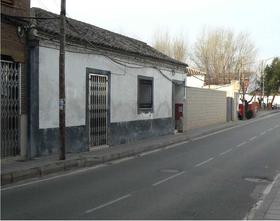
(141, 19)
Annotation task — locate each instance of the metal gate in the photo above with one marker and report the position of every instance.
(98, 110)
(229, 109)
(10, 108)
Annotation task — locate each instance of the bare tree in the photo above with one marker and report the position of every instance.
(179, 49)
(223, 55)
(174, 47)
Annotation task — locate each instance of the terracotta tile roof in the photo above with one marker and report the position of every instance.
(192, 71)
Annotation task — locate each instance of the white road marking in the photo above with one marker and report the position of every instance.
(175, 145)
(269, 187)
(54, 177)
(217, 132)
(204, 162)
(227, 151)
(266, 191)
(168, 178)
(120, 160)
(165, 148)
(104, 165)
(149, 152)
(241, 144)
(276, 126)
(87, 169)
(230, 128)
(270, 129)
(108, 204)
(253, 138)
(262, 133)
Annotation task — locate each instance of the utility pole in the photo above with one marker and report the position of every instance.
(243, 101)
(263, 85)
(243, 91)
(62, 81)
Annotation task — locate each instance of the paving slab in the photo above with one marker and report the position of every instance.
(269, 208)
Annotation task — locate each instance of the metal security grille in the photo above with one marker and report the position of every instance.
(10, 108)
(98, 107)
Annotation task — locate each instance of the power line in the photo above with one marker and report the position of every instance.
(30, 17)
(196, 78)
(94, 46)
(118, 61)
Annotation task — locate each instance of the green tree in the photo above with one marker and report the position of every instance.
(272, 78)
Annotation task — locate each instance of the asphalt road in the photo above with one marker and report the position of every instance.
(220, 176)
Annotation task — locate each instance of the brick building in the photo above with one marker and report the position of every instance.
(14, 26)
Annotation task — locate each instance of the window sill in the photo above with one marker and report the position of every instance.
(145, 111)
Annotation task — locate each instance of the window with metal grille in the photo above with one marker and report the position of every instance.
(8, 2)
(145, 94)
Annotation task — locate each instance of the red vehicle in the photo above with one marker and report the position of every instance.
(250, 111)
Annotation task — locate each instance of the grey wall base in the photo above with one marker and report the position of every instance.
(120, 133)
(48, 142)
(127, 132)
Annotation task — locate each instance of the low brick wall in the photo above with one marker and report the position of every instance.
(204, 107)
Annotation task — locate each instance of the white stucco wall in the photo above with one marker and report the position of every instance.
(204, 107)
(231, 88)
(195, 81)
(123, 89)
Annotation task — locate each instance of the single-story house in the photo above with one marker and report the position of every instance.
(118, 89)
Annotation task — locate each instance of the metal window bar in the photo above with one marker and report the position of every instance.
(98, 106)
(10, 108)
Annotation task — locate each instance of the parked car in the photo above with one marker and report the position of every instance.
(250, 111)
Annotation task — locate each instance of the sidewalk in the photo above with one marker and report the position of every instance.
(16, 170)
(269, 208)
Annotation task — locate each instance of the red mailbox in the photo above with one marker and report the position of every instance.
(178, 111)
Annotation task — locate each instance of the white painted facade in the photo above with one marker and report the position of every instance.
(195, 81)
(123, 91)
(231, 88)
(204, 107)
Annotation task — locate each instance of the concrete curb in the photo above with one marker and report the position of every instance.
(50, 168)
(80, 162)
(58, 166)
(262, 212)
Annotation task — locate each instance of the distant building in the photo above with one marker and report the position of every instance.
(231, 88)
